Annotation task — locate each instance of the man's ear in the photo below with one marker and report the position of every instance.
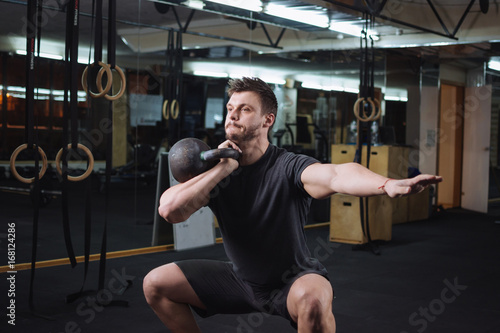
(270, 118)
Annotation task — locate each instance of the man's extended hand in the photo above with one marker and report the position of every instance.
(401, 187)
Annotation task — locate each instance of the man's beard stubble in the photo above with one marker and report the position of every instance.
(247, 135)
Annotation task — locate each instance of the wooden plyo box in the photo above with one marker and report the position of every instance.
(345, 220)
(418, 206)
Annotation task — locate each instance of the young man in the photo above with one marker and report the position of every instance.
(261, 203)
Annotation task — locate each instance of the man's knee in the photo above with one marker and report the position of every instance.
(150, 286)
(157, 282)
(311, 307)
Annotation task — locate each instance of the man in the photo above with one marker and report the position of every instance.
(261, 203)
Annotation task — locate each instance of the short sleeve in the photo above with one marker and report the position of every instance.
(295, 164)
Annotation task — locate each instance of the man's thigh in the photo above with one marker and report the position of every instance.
(218, 288)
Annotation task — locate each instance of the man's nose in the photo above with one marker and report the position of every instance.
(234, 115)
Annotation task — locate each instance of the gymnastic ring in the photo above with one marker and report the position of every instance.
(372, 115)
(164, 111)
(89, 168)
(356, 109)
(108, 84)
(123, 84)
(379, 108)
(13, 158)
(174, 109)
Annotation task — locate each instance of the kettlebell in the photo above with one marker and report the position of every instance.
(190, 157)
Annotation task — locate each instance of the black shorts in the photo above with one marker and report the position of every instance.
(222, 291)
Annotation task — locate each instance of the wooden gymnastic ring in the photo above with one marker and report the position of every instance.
(164, 110)
(356, 110)
(371, 117)
(123, 84)
(13, 158)
(174, 109)
(356, 105)
(108, 84)
(89, 168)
(379, 108)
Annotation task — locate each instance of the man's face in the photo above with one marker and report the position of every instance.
(244, 120)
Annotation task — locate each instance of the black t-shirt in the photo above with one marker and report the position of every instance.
(261, 210)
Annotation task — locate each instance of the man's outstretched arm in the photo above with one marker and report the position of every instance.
(324, 180)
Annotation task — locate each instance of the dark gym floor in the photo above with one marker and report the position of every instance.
(438, 275)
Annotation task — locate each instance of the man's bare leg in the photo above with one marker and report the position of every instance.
(169, 294)
(309, 303)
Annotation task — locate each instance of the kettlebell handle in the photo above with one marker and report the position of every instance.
(215, 154)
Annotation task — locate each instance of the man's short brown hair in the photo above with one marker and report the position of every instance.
(267, 97)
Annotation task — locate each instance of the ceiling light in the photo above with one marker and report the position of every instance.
(196, 4)
(273, 80)
(392, 98)
(251, 5)
(210, 74)
(42, 55)
(316, 18)
(352, 90)
(495, 65)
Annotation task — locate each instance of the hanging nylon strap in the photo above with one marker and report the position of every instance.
(72, 31)
(365, 101)
(32, 37)
(68, 100)
(109, 153)
(109, 135)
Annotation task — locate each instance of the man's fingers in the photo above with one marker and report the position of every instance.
(230, 144)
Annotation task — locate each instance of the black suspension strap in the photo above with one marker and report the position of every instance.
(366, 110)
(33, 39)
(173, 85)
(109, 147)
(71, 110)
(67, 109)
(90, 78)
(109, 144)
(167, 84)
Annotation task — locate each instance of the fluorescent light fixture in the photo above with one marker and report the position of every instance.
(495, 65)
(352, 90)
(196, 4)
(337, 88)
(42, 55)
(251, 5)
(273, 80)
(396, 98)
(84, 61)
(210, 74)
(239, 75)
(317, 86)
(42, 93)
(312, 85)
(316, 18)
(15, 89)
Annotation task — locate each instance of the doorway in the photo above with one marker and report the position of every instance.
(450, 154)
